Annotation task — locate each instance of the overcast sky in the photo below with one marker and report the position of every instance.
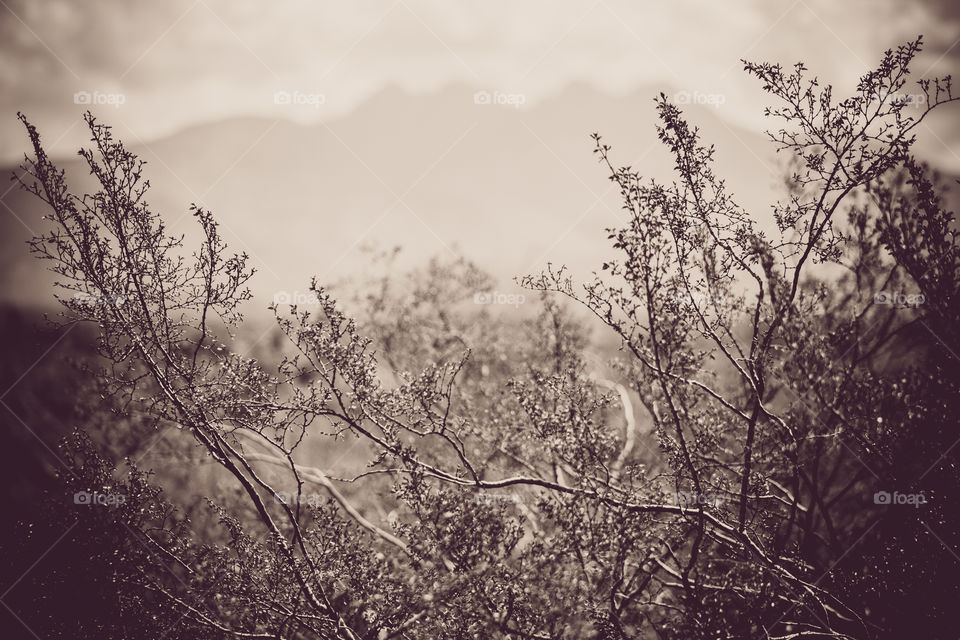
(167, 65)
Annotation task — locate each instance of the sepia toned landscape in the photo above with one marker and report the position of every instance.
(443, 320)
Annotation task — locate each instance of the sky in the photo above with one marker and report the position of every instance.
(159, 67)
